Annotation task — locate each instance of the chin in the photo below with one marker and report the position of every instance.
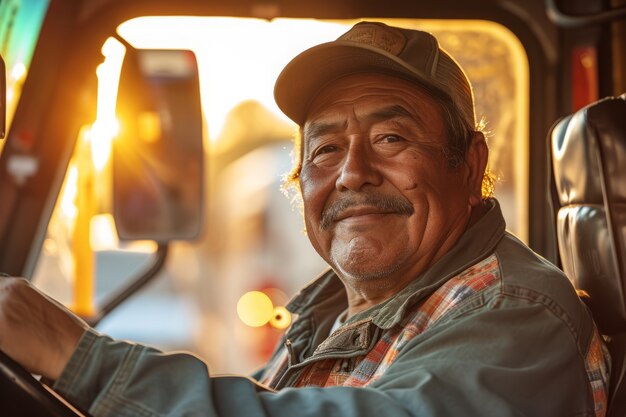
(358, 272)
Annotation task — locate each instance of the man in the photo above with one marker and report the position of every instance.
(430, 308)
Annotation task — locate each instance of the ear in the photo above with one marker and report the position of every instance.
(476, 160)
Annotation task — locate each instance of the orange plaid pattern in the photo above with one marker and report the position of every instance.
(369, 367)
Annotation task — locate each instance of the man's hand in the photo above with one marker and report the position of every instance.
(36, 331)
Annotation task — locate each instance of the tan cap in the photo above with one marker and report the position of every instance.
(372, 47)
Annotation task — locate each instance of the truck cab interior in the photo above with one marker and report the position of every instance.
(143, 159)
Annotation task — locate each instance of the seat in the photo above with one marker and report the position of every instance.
(588, 155)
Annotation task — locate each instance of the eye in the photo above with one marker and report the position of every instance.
(324, 150)
(391, 139)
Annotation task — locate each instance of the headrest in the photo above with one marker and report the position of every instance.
(589, 167)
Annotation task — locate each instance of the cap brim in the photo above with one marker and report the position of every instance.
(305, 76)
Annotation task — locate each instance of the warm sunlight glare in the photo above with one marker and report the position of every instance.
(101, 135)
(149, 127)
(68, 198)
(106, 126)
(103, 235)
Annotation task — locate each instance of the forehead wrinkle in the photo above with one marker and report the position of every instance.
(395, 111)
(321, 126)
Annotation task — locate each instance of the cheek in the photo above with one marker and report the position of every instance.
(408, 180)
(431, 169)
(315, 192)
(311, 194)
(410, 184)
(439, 186)
(316, 185)
(415, 171)
(312, 210)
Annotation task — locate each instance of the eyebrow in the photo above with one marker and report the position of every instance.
(316, 129)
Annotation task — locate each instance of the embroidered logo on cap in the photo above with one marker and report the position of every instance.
(378, 36)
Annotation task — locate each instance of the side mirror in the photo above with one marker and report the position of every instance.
(158, 156)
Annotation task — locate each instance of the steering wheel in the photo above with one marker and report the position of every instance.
(21, 395)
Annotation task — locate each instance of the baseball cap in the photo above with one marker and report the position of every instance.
(373, 47)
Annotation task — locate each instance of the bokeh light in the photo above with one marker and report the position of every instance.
(281, 319)
(255, 308)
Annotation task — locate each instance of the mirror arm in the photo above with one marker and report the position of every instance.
(123, 41)
(135, 285)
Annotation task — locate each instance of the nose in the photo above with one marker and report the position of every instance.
(358, 169)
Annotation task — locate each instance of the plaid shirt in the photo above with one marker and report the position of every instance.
(364, 369)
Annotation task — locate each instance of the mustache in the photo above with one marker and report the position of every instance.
(386, 203)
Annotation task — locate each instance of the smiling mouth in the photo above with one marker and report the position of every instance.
(361, 214)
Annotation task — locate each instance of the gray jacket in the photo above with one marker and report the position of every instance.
(492, 329)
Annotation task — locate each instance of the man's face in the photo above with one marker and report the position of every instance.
(380, 200)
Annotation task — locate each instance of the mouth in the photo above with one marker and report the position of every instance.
(361, 214)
